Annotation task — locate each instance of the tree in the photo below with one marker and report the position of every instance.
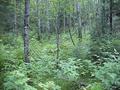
(79, 20)
(103, 22)
(48, 21)
(26, 32)
(15, 16)
(111, 28)
(38, 19)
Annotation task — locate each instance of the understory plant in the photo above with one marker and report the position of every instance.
(50, 85)
(68, 69)
(17, 80)
(109, 75)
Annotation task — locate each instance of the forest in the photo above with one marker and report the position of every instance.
(59, 44)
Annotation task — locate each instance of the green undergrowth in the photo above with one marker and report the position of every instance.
(83, 66)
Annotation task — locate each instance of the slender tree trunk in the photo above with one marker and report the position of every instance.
(58, 31)
(38, 20)
(57, 42)
(103, 17)
(48, 21)
(70, 31)
(79, 21)
(97, 32)
(58, 37)
(73, 15)
(64, 22)
(26, 31)
(111, 28)
(15, 17)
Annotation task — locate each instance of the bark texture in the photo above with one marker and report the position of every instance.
(26, 32)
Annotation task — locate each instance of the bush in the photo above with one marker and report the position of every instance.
(116, 44)
(103, 51)
(68, 69)
(86, 68)
(109, 75)
(50, 85)
(96, 86)
(17, 80)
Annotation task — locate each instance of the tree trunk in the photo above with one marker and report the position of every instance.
(58, 31)
(64, 22)
(58, 36)
(79, 21)
(103, 17)
(26, 32)
(48, 21)
(70, 30)
(15, 18)
(111, 28)
(38, 21)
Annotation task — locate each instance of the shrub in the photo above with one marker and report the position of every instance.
(68, 69)
(17, 80)
(116, 44)
(86, 68)
(50, 85)
(96, 86)
(109, 75)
